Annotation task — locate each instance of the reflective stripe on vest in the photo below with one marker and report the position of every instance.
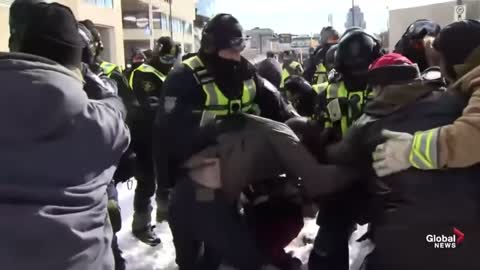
(216, 103)
(318, 88)
(108, 68)
(424, 152)
(146, 69)
(320, 75)
(338, 90)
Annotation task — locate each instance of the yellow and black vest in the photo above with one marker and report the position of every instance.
(108, 68)
(321, 75)
(286, 73)
(217, 104)
(343, 106)
(146, 69)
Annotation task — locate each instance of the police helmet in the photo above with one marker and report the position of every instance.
(351, 29)
(166, 50)
(89, 50)
(97, 38)
(329, 60)
(356, 51)
(222, 32)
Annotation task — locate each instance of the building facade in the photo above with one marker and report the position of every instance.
(355, 18)
(106, 14)
(170, 18)
(204, 10)
(442, 13)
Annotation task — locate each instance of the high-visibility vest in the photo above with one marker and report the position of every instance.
(146, 69)
(321, 74)
(108, 68)
(424, 151)
(217, 104)
(286, 73)
(351, 110)
(318, 88)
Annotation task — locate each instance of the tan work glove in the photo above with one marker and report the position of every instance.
(393, 155)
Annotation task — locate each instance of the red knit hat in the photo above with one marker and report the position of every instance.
(392, 68)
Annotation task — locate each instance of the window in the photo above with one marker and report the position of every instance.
(139, 19)
(6, 2)
(100, 3)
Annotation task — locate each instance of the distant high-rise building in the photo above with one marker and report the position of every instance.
(355, 18)
(330, 19)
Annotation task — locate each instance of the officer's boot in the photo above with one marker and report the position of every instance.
(162, 199)
(143, 230)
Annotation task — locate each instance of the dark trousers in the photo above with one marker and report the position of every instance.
(208, 230)
(146, 181)
(116, 220)
(330, 249)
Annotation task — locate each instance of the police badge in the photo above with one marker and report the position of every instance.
(148, 86)
(169, 104)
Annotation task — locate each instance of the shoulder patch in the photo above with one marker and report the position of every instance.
(148, 86)
(169, 104)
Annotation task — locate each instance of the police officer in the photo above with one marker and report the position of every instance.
(290, 67)
(216, 83)
(332, 74)
(416, 43)
(315, 69)
(147, 81)
(339, 105)
(98, 65)
(91, 87)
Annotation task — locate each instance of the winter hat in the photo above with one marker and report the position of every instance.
(18, 19)
(456, 42)
(52, 32)
(392, 68)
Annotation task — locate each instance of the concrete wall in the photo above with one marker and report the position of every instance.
(442, 13)
(4, 30)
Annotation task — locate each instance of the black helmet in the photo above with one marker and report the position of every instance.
(222, 32)
(329, 60)
(89, 50)
(411, 43)
(301, 94)
(351, 29)
(421, 28)
(166, 50)
(97, 39)
(356, 51)
(328, 33)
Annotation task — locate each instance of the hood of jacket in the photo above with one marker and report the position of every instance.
(38, 97)
(396, 96)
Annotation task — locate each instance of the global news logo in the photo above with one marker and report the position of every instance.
(446, 241)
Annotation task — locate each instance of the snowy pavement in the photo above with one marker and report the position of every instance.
(140, 256)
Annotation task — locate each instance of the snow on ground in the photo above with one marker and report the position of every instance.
(140, 256)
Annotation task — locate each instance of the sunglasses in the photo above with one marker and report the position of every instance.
(239, 43)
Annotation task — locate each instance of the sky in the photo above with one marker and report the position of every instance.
(309, 16)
